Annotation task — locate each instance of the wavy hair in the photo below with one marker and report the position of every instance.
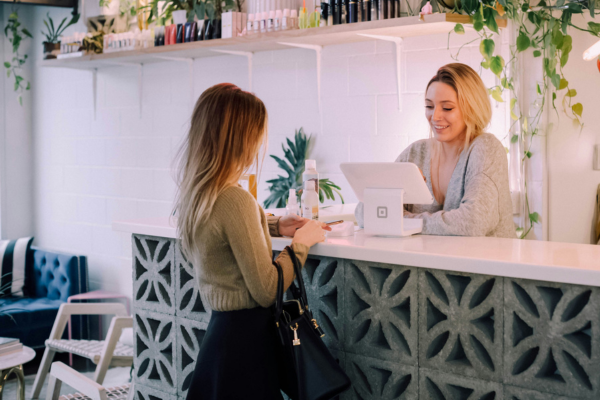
(227, 130)
(473, 98)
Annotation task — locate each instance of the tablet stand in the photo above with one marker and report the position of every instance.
(384, 214)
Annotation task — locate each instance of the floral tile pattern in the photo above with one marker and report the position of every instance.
(155, 354)
(190, 335)
(460, 323)
(552, 337)
(153, 273)
(381, 311)
(187, 297)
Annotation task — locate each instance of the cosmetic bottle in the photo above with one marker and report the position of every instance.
(347, 11)
(278, 21)
(310, 173)
(310, 201)
(361, 15)
(324, 14)
(292, 207)
(271, 21)
(353, 15)
(398, 14)
(385, 9)
(367, 10)
(331, 19)
(179, 33)
(294, 19)
(375, 10)
(392, 9)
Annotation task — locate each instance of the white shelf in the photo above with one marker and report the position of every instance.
(325, 36)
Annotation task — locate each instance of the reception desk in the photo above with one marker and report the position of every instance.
(422, 317)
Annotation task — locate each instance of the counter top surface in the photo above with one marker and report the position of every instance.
(545, 261)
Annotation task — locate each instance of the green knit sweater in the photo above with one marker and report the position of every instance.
(233, 254)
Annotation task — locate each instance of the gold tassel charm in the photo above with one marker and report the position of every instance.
(296, 341)
(318, 328)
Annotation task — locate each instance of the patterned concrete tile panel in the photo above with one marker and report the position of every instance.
(461, 324)
(437, 385)
(190, 334)
(153, 273)
(143, 392)
(517, 393)
(155, 352)
(324, 282)
(187, 297)
(381, 311)
(552, 337)
(377, 379)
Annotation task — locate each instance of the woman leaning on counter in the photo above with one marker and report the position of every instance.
(465, 168)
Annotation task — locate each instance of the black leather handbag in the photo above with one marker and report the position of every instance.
(308, 371)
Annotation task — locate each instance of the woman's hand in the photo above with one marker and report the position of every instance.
(311, 233)
(289, 224)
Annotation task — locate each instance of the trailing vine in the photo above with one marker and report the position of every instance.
(543, 28)
(15, 66)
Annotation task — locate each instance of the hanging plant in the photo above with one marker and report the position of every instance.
(16, 34)
(544, 29)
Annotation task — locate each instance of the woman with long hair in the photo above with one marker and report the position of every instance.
(227, 237)
(465, 168)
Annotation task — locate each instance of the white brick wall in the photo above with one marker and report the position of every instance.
(91, 172)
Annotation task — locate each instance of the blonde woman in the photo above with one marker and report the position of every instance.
(226, 235)
(465, 168)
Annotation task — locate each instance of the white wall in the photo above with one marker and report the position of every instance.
(572, 181)
(16, 158)
(90, 172)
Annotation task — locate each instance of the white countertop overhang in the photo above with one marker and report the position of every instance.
(545, 261)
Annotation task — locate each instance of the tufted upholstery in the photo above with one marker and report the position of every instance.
(53, 278)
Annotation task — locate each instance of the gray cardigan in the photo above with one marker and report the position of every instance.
(478, 201)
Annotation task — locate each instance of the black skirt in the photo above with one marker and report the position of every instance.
(237, 358)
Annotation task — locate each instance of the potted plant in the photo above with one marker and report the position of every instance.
(293, 165)
(52, 44)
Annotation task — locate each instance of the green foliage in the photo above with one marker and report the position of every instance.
(52, 34)
(16, 34)
(293, 165)
(163, 10)
(543, 30)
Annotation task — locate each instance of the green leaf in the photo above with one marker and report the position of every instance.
(534, 217)
(21, 101)
(6, 64)
(497, 65)
(537, 53)
(490, 19)
(505, 83)
(594, 27)
(555, 80)
(486, 64)
(458, 28)
(514, 138)
(565, 49)
(528, 154)
(571, 93)
(577, 109)
(557, 37)
(563, 84)
(486, 48)
(553, 99)
(538, 89)
(523, 41)
(469, 6)
(497, 95)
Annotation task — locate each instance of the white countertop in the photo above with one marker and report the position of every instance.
(546, 261)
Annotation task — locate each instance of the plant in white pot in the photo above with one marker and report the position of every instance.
(52, 44)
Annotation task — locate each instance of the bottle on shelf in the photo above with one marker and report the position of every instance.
(310, 173)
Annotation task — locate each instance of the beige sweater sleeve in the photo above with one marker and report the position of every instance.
(244, 228)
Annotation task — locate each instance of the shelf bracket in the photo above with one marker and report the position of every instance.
(140, 68)
(317, 48)
(248, 55)
(94, 89)
(190, 62)
(398, 42)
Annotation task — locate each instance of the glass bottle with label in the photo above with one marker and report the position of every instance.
(310, 201)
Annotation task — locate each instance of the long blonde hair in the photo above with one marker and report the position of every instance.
(228, 127)
(473, 99)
